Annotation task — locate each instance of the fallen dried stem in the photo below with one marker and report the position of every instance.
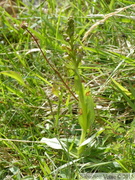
(107, 16)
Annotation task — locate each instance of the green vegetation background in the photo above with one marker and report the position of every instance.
(40, 125)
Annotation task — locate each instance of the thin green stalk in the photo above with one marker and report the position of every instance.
(83, 135)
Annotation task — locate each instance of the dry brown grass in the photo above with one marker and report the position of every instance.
(9, 6)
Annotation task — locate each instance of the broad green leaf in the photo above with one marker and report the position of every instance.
(14, 75)
(90, 107)
(87, 115)
(53, 143)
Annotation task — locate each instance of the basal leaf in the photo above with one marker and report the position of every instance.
(53, 143)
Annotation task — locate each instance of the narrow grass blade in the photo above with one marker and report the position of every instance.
(124, 92)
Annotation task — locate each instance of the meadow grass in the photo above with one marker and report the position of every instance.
(67, 89)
